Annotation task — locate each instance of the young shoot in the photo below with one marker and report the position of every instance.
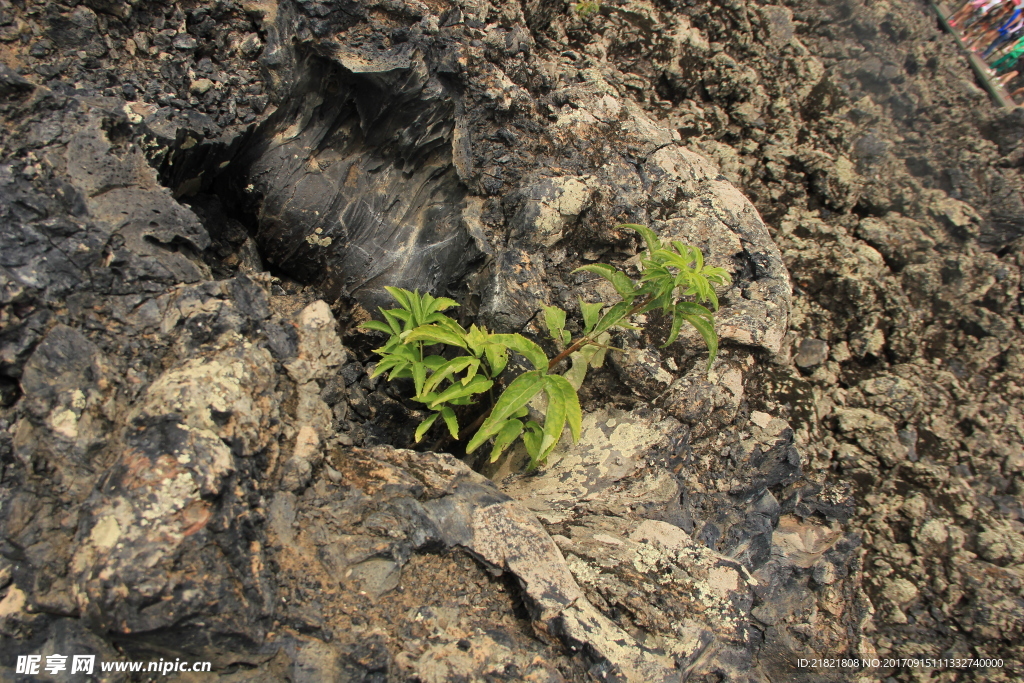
(451, 366)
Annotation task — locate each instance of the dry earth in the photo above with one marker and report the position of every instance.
(196, 464)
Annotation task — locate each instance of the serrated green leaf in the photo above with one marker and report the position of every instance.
(389, 346)
(508, 433)
(622, 283)
(393, 322)
(691, 254)
(677, 324)
(562, 393)
(478, 385)
(497, 358)
(650, 237)
(450, 325)
(443, 303)
(400, 295)
(591, 314)
(435, 319)
(403, 371)
(589, 356)
(554, 418)
(690, 308)
(613, 317)
(577, 372)
(683, 278)
(703, 288)
(434, 362)
(419, 376)
(521, 345)
(446, 371)
(376, 325)
(554, 318)
(385, 364)
(471, 370)
(660, 301)
(566, 337)
(719, 275)
(516, 395)
(435, 334)
(707, 330)
(604, 339)
(426, 303)
(602, 269)
(406, 317)
(624, 286)
(449, 419)
(424, 426)
(670, 258)
(416, 308)
(654, 271)
(532, 439)
(712, 298)
(476, 338)
(406, 352)
(580, 362)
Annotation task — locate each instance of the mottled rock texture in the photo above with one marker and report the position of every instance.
(197, 464)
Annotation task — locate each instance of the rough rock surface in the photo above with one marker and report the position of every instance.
(193, 465)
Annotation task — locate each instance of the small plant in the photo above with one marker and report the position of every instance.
(585, 8)
(479, 357)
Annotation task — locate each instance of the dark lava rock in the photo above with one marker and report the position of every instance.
(381, 208)
(173, 483)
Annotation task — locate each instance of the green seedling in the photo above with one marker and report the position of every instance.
(586, 8)
(474, 359)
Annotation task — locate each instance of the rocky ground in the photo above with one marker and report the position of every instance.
(202, 200)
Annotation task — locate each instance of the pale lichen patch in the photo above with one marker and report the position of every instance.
(63, 421)
(106, 533)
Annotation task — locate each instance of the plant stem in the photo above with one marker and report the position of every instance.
(553, 363)
(576, 345)
(469, 431)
